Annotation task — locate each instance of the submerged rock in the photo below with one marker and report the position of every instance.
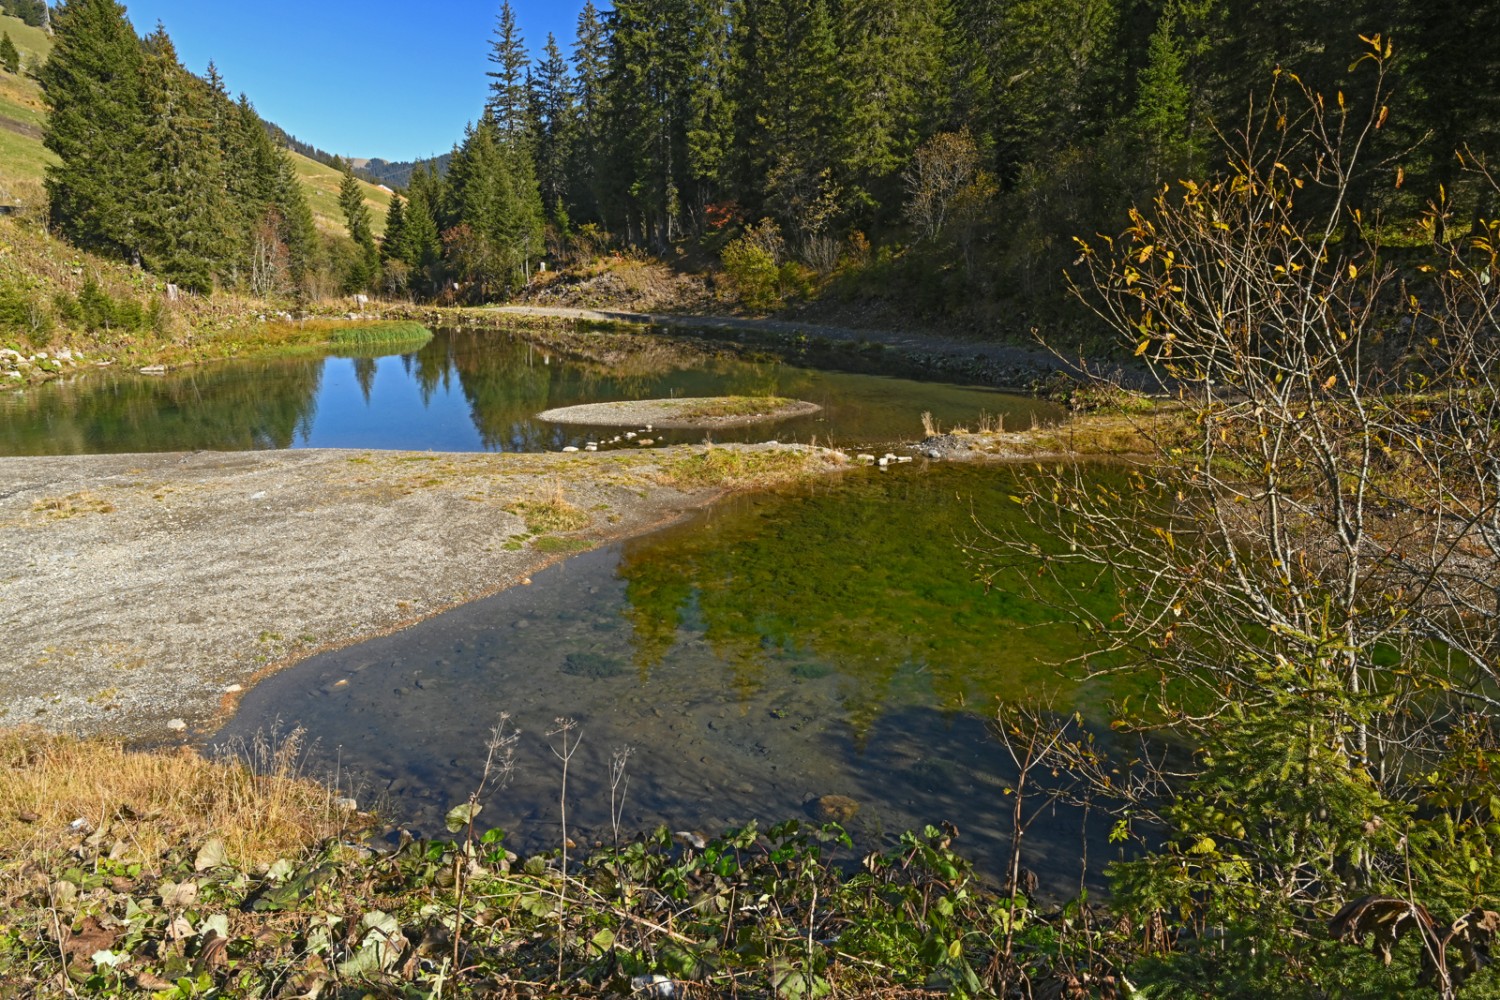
(594, 666)
(835, 809)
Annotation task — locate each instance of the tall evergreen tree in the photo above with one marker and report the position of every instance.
(554, 116)
(590, 70)
(366, 266)
(496, 232)
(787, 105)
(668, 126)
(92, 85)
(1163, 101)
(185, 221)
(394, 241)
(507, 103)
(421, 243)
(893, 77)
(1051, 88)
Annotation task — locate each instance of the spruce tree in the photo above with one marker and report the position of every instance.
(394, 241)
(893, 75)
(786, 70)
(1161, 109)
(185, 221)
(421, 242)
(92, 85)
(554, 117)
(508, 98)
(366, 266)
(10, 56)
(590, 69)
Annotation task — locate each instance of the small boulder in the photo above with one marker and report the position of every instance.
(835, 809)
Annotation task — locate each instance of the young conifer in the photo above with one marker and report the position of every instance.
(10, 56)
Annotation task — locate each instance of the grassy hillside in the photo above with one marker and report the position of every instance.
(23, 158)
(322, 186)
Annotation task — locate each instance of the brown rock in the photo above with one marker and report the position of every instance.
(835, 809)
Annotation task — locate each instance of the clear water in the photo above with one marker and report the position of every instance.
(770, 651)
(467, 391)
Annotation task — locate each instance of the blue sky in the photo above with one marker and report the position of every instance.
(358, 79)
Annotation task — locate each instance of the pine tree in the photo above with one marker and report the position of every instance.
(421, 243)
(590, 68)
(667, 125)
(892, 90)
(92, 85)
(554, 116)
(186, 236)
(394, 241)
(1162, 104)
(10, 56)
(1053, 91)
(496, 211)
(366, 265)
(786, 104)
(508, 98)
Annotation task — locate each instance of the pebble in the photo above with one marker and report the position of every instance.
(177, 725)
(234, 689)
(570, 450)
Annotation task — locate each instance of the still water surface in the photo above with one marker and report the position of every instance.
(778, 648)
(466, 391)
(830, 640)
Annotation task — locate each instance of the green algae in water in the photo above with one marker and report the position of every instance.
(870, 579)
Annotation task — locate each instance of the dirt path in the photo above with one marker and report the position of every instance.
(1006, 363)
(137, 590)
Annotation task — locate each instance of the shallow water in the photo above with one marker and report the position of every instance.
(467, 391)
(772, 650)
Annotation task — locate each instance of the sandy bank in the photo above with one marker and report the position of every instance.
(681, 414)
(138, 589)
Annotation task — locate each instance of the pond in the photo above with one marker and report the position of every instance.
(764, 655)
(470, 391)
(769, 652)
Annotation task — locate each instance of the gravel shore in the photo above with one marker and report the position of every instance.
(142, 592)
(679, 414)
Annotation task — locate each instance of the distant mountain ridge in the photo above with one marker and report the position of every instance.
(397, 175)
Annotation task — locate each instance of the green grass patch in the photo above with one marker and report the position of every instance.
(736, 468)
(552, 545)
(733, 406)
(385, 333)
(545, 517)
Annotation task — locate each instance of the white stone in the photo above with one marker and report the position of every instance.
(177, 725)
(570, 450)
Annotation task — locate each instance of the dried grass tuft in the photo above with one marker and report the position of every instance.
(142, 803)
